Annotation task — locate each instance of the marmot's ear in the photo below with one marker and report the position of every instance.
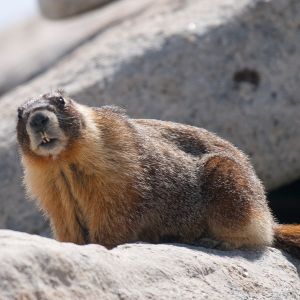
(61, 91)
(20, 112)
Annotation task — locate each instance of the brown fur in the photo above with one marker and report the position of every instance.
(123, 180)
(287, 237)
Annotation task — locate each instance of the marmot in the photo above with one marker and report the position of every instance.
(105, 178)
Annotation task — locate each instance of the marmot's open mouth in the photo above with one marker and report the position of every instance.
(47, 142)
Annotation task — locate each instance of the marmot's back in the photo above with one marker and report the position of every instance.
(192, 140)
(178, 157)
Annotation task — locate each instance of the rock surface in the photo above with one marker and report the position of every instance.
(57, 9)
(230, 66)
(48, 42)
(33, 267)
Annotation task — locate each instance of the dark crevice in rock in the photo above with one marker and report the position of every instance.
(247, 76)
(285, 203)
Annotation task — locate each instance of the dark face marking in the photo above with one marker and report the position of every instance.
(68, 120)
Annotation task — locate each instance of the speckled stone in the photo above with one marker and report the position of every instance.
(33, 267)
(230, 66)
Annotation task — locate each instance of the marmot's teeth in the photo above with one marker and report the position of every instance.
(45, 140)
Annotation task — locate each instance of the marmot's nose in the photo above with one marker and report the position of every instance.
(39, 121)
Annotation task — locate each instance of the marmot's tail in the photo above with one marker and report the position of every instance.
(287, 237)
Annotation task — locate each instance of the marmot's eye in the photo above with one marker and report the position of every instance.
(61, 101)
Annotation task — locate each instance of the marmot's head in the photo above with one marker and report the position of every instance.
(47, 124)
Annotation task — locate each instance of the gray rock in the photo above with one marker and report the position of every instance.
(58, 9)
(33, 267)
(48, 43)
(230, 66)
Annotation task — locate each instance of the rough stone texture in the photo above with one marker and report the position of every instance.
(33, 267)
(57, 9)
(230, 66)
(22, 60)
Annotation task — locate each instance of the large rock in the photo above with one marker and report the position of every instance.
(57, 9)
(46, 42)
(231, 66)
(33, 267)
